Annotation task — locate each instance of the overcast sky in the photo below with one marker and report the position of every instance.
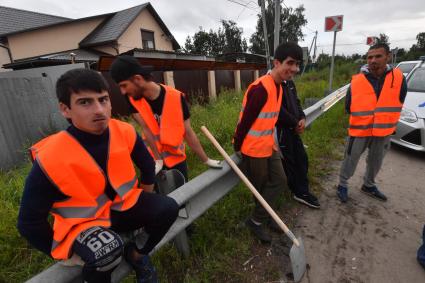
(400, 20)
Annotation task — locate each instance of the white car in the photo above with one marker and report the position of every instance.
(407, 66)
(410, 130)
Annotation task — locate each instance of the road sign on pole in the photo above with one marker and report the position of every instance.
(334, 24)
(371, 40)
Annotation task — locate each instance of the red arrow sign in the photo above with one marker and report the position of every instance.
(333, 23)
(371, 40)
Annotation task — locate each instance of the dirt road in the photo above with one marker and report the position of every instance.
(366, 240)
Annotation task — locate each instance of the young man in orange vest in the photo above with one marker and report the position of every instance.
(254, 137)
(374, 101)
(85, 178)
(163, 114)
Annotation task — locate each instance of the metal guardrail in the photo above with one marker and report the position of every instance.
(199, 195)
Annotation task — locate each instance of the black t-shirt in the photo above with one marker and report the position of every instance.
(157, 105)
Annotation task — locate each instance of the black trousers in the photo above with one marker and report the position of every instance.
(154, 212)
(295, 162)
(101, 248)
(182, 167)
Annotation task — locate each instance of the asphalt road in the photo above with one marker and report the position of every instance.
(366, 240)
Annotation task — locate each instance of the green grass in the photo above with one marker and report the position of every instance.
(219, 244)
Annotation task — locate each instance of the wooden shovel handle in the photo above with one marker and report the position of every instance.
(250, 186)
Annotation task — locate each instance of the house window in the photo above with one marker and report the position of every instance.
(148, 41)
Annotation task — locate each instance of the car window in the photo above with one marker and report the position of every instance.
(407, 67)
(417, 80)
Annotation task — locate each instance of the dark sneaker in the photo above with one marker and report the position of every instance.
(342, 193)
(308, 199)
(145, 271)
(374, 192)
(258, 231)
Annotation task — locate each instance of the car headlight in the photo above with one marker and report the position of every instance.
(408, 116)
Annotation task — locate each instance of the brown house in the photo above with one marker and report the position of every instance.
(29, 39)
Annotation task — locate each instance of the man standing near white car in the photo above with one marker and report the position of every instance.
(374, 101)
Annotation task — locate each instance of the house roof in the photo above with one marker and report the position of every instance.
(113, 27)
(64, 57)
(15, 20)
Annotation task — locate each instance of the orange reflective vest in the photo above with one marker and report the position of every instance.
(169, 135)
(371, 116)
(77, 175)
(259, 141)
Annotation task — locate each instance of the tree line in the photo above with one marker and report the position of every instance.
(228, 38)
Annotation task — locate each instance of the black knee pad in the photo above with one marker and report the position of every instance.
(100, 248)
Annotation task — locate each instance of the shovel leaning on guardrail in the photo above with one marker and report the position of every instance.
(297, 252)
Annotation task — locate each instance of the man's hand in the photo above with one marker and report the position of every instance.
(159, 163)
(301, 126)
(214, 163)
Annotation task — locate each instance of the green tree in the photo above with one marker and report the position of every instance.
(233, 41)
(205, 43)
(291, 22)
(383, 38)
(227, 39)
(420, 37)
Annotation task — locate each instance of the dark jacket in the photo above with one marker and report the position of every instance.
(291, 111)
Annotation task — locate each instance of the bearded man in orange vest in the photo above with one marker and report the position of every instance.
(162, 113)
(85, 178)
(255, 136)
(374, 101)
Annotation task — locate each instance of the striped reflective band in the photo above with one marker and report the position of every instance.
(388, 109)
(380, 110)
(375, 126)
(265, 115)
(181, 146)
(268, 115)
(126, 187)
(260, 133)
(166, 154)
(81, 211)
(362, 113)
(56, 243)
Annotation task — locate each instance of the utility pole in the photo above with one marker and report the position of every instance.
(333, 24)
(309, 51)
(266, 38)
(315, 47)
(276, 23)
(331, 75)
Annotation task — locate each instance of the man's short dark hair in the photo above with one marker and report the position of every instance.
(77, 80)
(288, 49)
(125, 66)
(381, 45)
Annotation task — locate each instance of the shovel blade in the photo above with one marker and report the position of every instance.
(298, 260)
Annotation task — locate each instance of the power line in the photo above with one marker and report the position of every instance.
(246, 5)
(363, 43)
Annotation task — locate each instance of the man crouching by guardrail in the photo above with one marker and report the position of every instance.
(85, 178)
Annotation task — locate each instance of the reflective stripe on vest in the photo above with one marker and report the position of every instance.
(170, 134)
(375, 117)
(76, 174)
(259, 141)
